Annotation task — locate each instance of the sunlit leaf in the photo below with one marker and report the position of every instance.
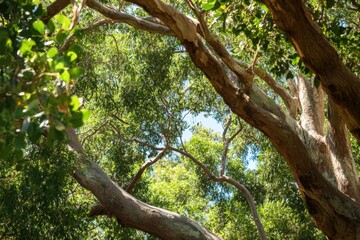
(63, 20)
(74, 103)
(65, 75)
(52, 52)
(39, 26)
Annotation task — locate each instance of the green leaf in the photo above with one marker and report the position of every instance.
(61, 36)
(59, 125)
(26, 46)
(32, 104)
(39, 26)
(74, 103)
(65, 75)
(295, 61)
(52, 52)
(20, 141)
(85, 114)
(5, 41)
(263, 7)
(50, 25)
(78, 118)
(72, 55)
(76, 72)
(209, 4)
(64, 21)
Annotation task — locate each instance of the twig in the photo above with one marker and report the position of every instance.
(147, 164)
(248, 196)
(134, 139)
(117, 49)
(94, 132)
(226, 142)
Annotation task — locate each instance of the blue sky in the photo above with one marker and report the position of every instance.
(211, 123)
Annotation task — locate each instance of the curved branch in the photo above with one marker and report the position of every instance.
(248, 196)
(90, 28)
(54, 9)
(147, 164)
(121, 17)
(130, 212)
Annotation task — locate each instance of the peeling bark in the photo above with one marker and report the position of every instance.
(312, 106)
(342, 86)
(340, 153)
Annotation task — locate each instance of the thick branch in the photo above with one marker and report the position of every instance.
(341, 156)
(341, 85)
(290, 101)
(129, 211)
(244, 76)
(55, 8)
(312, 106)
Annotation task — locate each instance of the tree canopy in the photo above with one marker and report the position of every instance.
(96, 102)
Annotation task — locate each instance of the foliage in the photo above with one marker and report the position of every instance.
(139, 88)
(36, 78)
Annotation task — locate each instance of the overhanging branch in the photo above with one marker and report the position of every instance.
(135, 22)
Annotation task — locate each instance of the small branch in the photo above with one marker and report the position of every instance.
(226, 146)
(76, 12)
(134, 139)
(236, 184)
(94, 132)
(249, 198)
(117, 49)
(88, 29)
(121, 17)
(356, 5)
(147, 164)
(226, 142)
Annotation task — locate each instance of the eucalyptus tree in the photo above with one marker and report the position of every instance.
(287, 68)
